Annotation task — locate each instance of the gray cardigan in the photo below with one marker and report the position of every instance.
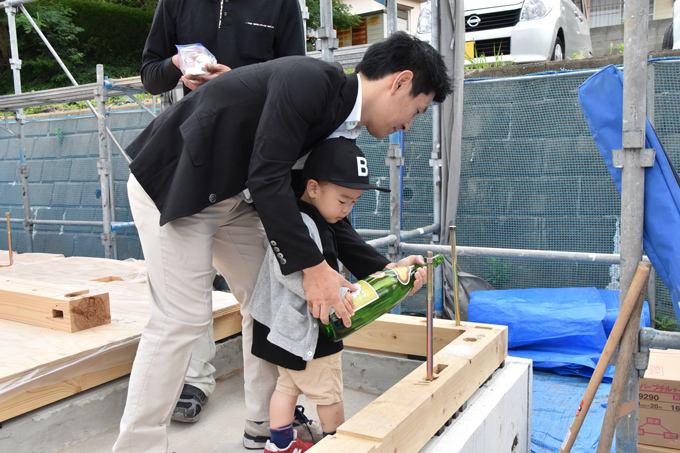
(278, 302)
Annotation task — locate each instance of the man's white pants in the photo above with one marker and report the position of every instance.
(201, 372)
(179, 257)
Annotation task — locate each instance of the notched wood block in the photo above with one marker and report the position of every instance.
(59, 307)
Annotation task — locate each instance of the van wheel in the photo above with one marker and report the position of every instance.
(667, 42)
(558, 50)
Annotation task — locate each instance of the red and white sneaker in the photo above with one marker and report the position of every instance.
(296, 446)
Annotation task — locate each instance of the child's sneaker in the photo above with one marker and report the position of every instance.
(296, 446)
(307, 430)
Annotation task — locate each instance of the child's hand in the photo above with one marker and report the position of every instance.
(348, 300)
(421, 274)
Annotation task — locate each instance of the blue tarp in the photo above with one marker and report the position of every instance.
(562, 330)
(553, 406)
(601, 98)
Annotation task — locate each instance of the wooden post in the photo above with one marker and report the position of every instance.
(634, 295)
(628, 346)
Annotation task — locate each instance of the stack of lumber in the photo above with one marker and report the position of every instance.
(43, 363)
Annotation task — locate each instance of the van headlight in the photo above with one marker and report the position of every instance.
(425, 21)
(535, 9)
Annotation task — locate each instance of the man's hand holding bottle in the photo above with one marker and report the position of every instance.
(322, 284)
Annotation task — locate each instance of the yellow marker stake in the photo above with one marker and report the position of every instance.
(9, 240)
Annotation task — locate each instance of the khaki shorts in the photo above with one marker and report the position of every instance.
(320, 382)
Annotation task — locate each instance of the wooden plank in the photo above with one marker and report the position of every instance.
(406, 416)
(23, 258)
(227, 322)
(60, 307)
(42, 396)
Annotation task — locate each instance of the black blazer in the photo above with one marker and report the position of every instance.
(246, 128)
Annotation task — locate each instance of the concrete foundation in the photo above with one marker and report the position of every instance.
(496, 418)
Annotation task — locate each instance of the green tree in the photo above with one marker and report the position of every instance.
(137, 4)
(38, 67)
(84, 33)
(342, 16)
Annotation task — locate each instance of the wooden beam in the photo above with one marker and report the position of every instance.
(407, 416)
(227, 322)
(59, 307)
(42, 396)
(405, 334)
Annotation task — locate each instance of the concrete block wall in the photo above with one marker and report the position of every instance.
(417, 188)
(62, 154)
(603, 37)
(532, 178)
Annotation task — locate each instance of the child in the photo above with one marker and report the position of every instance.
(285, 332)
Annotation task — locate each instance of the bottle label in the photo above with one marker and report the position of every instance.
(403, 274)
(364, 296)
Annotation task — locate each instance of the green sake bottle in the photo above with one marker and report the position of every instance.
(379, 293)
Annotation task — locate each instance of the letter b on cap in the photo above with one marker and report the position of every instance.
(362, 166)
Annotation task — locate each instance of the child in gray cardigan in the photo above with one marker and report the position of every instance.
(285, 332)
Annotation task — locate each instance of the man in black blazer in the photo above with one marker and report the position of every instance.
(194, 171)
(238, 33)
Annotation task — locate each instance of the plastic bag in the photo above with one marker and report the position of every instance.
(192, 58)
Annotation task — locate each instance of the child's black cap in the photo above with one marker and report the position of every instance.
(340, 161)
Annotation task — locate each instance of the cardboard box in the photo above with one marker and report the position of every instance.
(659, 423)
(652, 449)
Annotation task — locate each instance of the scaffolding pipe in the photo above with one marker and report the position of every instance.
(304, 12)
(325, 32)
(94, 223)
(388, 240)
(391, 6)
(20, 118)
(104, 168)
(436, 161)
(141, 104)
(519, 254)
(436, 164)
(633, 158)
(658, 339)
(395, 162)
(429, 230)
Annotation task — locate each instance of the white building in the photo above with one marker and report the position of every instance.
(373, 25)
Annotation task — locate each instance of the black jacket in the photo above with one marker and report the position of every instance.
(251, 31)
(247, 127)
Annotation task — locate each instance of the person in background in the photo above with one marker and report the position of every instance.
(196, 167)
(237, 33)
(285, 332)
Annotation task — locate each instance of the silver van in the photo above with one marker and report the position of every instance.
(520, 31)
